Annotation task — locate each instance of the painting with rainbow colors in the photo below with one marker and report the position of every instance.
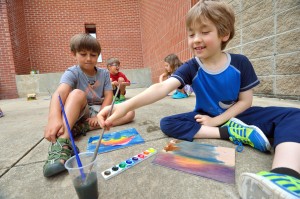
(115, 140)
(213, 162)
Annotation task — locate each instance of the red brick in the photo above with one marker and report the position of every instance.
(35, 34)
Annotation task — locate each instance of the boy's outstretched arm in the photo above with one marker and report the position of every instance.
(54, 126)
(152, 94)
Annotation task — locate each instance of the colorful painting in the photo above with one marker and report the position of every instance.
(115, 140)
(217, 163)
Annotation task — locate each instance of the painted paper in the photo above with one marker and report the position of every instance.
(213, 162)
(115, 140)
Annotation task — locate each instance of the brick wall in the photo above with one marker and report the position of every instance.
(163, 32)
(51, 24)
(141, 33)
(8, 87)
(18, 34)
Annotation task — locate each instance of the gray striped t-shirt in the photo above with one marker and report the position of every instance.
(75, 77)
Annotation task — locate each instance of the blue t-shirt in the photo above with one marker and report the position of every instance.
(75, 77)
(216, 92)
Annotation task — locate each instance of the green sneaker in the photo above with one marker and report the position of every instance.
(268, 185)
(241, 133)
(57, 152)
(122, 98)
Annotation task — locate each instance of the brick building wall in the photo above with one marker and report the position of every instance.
(8, 87)
(163, 32)
(18, 34)
(141, 33)
(51, 24)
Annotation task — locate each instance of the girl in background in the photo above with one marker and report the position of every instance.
(172, 63)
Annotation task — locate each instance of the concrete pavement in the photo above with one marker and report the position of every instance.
(23, 152)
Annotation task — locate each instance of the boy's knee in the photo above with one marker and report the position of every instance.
(77, 94)
(121, 79)
(131, 115)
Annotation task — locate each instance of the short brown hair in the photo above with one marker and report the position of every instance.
(84, 41)
(112, 61)
(219, 13)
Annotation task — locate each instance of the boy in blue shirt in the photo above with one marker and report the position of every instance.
(223, 84)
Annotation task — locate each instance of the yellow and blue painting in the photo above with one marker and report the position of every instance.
(213, 162)
(115, 140)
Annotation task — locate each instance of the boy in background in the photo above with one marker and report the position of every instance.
(117, 78)
(222, 83)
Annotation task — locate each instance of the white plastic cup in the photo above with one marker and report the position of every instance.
(85, 181)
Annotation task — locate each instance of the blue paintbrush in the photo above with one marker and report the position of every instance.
(71, 138)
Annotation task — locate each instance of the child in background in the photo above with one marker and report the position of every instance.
(117, 78)
(172, 63)
(222, 83)
(84, 90)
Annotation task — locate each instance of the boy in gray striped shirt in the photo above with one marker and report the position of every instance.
(84, 89)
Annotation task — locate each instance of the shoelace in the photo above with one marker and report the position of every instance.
(53, 154)
(239, 147)
(240, 142)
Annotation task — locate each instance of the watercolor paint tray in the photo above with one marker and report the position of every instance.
(205, 160)
(126, 164)
(115, 140)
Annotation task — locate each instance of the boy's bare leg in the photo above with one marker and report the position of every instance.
(208, 132)
(122, 89)
(286, 155)
(126, 119)
(75, 102)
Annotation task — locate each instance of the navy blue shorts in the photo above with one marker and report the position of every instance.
(280, 123)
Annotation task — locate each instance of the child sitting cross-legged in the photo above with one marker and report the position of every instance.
(117, 78)
(84, 89)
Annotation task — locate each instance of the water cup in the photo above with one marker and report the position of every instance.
(84, 178)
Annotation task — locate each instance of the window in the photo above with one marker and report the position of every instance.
(91, 29)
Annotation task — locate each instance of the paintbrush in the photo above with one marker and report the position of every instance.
(100, 138)
(101, 134)
(71, 138)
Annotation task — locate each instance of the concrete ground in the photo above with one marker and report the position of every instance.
(23, 152)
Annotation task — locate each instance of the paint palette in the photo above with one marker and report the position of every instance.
(115, 170)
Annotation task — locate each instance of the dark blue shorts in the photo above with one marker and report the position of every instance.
(280, 123)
